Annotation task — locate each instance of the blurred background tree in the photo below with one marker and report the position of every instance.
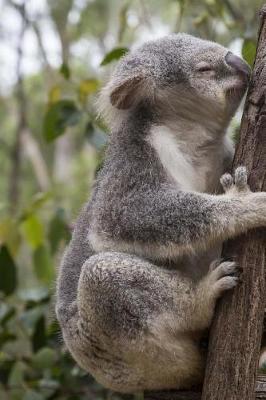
(54, 57)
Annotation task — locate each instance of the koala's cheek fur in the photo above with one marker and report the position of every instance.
(212, 94)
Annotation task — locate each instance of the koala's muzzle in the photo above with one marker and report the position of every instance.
(237, 64)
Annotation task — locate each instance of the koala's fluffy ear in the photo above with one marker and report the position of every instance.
(124, 94)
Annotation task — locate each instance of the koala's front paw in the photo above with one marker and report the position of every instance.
(222, 276)
(254, 204)
(238, 183)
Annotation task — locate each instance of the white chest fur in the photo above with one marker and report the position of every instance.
(188, 163)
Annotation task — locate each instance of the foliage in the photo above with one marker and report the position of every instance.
(33, 362)
(51, 146)
(114, 55)
(59, 116)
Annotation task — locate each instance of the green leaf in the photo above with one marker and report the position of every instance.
(8, 272)
(39, 199)
(43, 264)
(201, 19)
(58, 230)
(65, 71)
(6, 312)
(249, 51)
(6, 365)
(38, 339)
(87, 87)
(9, 234)
(59, 116)
(54, 94)
(30, 318)
(114, 54)
(44, 358)
(6, 336)
(33, 231)
(16, 377)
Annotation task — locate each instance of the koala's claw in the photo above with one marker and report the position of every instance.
(223, 276)
(238, 182)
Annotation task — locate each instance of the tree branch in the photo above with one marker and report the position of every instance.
(21, 123)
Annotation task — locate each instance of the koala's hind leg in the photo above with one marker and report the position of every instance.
(138, 323)
(199, 308)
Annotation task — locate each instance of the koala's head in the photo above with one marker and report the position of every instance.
(179, 74)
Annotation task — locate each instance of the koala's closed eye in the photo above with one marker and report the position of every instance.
(204, 67)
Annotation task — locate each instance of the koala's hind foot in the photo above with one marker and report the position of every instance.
(222, 276)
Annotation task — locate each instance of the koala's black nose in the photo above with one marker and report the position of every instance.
(237, 63)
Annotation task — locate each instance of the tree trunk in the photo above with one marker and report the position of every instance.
(260, 390)
(236, 332)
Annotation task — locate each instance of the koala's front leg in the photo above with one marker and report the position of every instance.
(170, 223)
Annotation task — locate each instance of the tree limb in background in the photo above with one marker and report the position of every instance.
(21, 123)
(32, 149)
(23, 138)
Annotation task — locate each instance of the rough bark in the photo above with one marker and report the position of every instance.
(260, 390)
(236, 332)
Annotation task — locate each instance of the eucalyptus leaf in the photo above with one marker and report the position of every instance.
(16, 377)
(6, 313)
(249, 51)
(38, 339)
(8, 272)
(58, 117)
(43, 264)
(65, 71)
(44, 358)
(30, 318)
(33, 230)
(9, 234)
(54, 94)
(89, 86)
(114, 55)
(6, 336)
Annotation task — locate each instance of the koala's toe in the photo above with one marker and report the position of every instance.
(225, 283)
(225, 268)
(226, 181)
(241, 178)
(225, 276)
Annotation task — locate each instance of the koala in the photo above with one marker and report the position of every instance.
(140, 278)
